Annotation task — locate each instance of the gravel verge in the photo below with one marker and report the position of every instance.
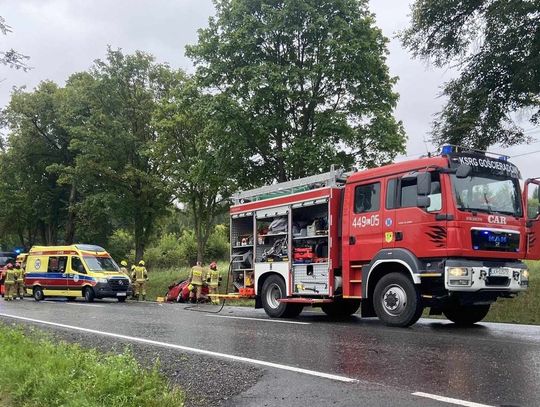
(206, 381)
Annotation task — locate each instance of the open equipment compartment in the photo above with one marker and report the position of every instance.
(242, 250)
(310, 248)
(272, 246)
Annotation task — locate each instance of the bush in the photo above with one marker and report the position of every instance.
(121, 244)
(218, 244)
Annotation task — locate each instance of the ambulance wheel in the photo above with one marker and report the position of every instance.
(38, 294)
(396, 300)
(466, 314)
(273, 289)
(341, 308)
(121, 299)
(89, 294)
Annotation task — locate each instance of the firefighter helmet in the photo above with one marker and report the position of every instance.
(141, 263)
(123, 263)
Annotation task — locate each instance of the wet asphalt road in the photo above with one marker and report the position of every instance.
(492, 364)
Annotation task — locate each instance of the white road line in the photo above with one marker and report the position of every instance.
(85, 305)
(73, 303)
(259, 319)
(450, 400)
(193, 350)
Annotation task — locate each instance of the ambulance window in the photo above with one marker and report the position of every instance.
(367, 198)
(57, 264)
(76, 265)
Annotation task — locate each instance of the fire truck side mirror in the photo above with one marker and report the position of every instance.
(423, 201)
(463, 171)
(423, 184)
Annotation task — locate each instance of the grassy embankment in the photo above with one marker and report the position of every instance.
(38, 372)
(159, 281)
(525, 309)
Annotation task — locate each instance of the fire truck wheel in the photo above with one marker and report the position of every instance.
(341, 308)
(396, 300)
(38, 294)
(466, 314)
(272, 290)
(89, 294)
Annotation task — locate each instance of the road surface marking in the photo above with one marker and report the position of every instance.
(259, 319)
(73, 303)
(193, 350)
(86, 305)
(450, 400)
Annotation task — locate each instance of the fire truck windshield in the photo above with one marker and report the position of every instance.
(488, 193)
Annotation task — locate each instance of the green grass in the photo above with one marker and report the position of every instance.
(39, 372)
(525, 309)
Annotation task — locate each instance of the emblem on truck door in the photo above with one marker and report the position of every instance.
(388, 237)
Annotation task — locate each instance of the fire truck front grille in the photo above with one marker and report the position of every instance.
(498, 281)
(119, 284)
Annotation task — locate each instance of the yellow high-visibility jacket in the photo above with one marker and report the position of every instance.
(140, 273)
(197, 275)
(214, 278)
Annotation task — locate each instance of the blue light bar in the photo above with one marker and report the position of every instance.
(503, 158)
(447, 149)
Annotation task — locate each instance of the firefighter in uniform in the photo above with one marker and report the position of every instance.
(213, 280)
(124, 268)
(140, 276)
(196, 278)
(19, 282)
(9, 282)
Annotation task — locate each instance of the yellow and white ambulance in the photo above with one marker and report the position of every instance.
(79, 270)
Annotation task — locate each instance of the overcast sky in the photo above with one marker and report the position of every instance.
(65, 36)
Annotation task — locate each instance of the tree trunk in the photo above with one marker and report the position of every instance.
(70, 225)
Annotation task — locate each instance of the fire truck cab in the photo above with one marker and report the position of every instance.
(446, 232)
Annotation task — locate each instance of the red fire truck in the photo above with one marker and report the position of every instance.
(446, 232)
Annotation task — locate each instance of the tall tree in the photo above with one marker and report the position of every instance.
(496, 46)
(115, 163)
(310, 80)
(198, 154)
(38, 142)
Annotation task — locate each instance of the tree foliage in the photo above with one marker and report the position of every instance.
(10, 57)
(496, 46)
(309, 79)
(116, 139)
(36, 203)
(198, 155)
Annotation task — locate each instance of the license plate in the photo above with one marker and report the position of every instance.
(121, 294)
(498, 272)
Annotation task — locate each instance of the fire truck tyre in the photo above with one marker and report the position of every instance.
(466, 314)
(121, 299)
(272, 290)
(341, 308)
(89, 294)
(396, 300)
(38, 294)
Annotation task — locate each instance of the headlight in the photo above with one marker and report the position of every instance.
(102, 280)
(458, 272)
(525, 275)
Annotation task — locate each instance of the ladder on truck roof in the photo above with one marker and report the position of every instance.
(331, 178)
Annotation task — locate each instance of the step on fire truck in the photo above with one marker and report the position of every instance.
(446, 232)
